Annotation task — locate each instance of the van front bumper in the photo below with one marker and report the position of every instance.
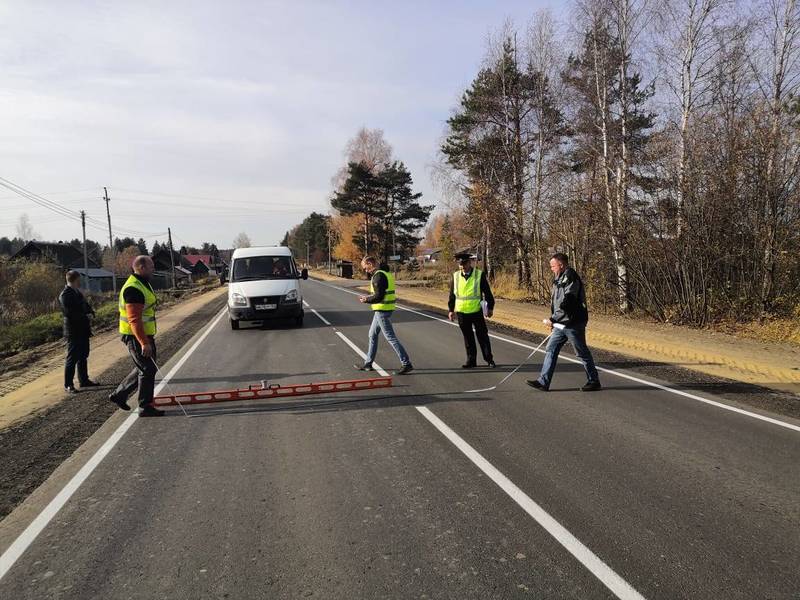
(248, 313)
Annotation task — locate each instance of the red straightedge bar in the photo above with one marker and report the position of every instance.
(273, 391)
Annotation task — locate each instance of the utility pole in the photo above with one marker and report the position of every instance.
(111, 242)
(329, 246)
(171, 257)
(85, 254)
(308, 254)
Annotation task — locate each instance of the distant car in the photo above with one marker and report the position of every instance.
(264, 285)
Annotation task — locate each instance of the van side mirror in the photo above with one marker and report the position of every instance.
(304, 274)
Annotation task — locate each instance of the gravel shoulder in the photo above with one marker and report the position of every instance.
(43, 427)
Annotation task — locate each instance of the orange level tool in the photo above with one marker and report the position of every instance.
(274, 390)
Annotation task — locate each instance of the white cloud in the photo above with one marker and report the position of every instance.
(245, 100)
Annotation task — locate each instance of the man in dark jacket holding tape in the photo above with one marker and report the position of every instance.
(568, 308)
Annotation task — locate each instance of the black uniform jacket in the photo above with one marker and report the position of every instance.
(76, 313)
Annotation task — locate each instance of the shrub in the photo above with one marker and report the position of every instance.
(36, 286)
(41, 329)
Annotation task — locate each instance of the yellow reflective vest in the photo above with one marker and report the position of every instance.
(467, 292)
(149, 312)
(390, 298)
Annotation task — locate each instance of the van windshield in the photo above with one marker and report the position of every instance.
(263, 267)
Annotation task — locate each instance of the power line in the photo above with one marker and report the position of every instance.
(65, 212)
(210, 199)
(253, 206)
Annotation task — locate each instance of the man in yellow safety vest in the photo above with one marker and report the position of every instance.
(137, 325)
(467, 286)
(383, 298)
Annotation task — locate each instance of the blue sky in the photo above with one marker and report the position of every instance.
(214, 118)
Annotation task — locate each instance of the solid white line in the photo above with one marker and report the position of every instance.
(26, 538)
(621, 588)
(659, 386)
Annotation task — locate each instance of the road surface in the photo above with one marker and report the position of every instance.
(420, 491)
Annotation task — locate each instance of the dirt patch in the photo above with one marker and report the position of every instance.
(25, 366)
(33, 449)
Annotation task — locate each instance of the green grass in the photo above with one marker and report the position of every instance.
(41, 329)
(49, 327)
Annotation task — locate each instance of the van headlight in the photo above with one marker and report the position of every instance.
(238, 300)
(291, 296)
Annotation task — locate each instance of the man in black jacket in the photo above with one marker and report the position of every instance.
(568, 309)
(77, 331)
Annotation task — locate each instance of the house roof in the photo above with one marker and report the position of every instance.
(65, 255)
(195, 258)
(163, 256)
(95, 273)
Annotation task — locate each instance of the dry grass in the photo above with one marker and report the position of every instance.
(772, 329)
(505, 286)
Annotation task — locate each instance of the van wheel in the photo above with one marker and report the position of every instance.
(299, 321)
(234, 324)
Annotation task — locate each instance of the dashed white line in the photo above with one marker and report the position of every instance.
(363, 355)
(621, 588)
(652, 384)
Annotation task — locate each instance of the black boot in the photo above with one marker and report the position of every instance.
(123, 404)
(148, 410)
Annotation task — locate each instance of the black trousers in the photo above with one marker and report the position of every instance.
(77, 356)
(466, 322)
(143, 375)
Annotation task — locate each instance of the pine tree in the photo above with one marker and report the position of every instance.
(390, 209)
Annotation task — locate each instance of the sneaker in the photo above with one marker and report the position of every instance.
(364, 367)
(536, 384)
(148, 410)
(89, 383)
(70, 389)
(491, 364)
(123, 404)
(469, 365)
(592, 386)
(405, 370)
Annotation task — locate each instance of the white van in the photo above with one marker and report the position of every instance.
(263, 284)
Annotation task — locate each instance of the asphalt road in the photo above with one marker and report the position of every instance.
(421, 491)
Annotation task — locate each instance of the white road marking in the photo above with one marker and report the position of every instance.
(363, 355)
(659, 386)
(26, 538)
(323, 319)
(621, 588)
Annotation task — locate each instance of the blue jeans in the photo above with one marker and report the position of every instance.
(382, 321)
(577, 337)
